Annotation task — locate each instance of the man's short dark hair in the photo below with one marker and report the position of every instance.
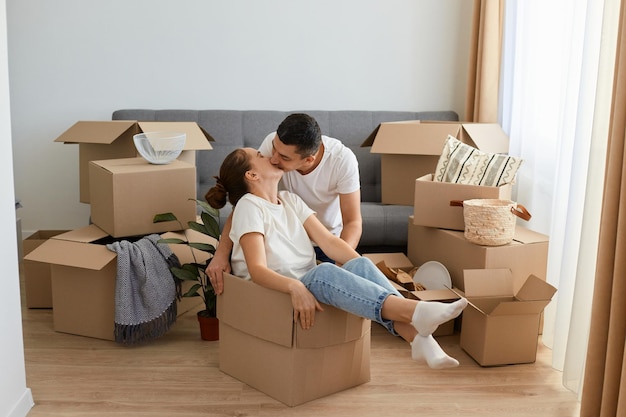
(301, 130)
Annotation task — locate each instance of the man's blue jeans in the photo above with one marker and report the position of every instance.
(357, 287)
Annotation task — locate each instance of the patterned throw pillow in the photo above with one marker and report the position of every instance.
(463, 164)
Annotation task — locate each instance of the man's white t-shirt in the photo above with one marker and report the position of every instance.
(287, 246)
(337, 173)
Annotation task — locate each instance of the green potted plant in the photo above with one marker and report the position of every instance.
(195, 271)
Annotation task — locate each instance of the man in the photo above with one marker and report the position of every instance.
(321, 170)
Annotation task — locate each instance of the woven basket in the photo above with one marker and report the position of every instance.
(491, 222)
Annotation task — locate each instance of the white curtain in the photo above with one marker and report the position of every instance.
(555, 100)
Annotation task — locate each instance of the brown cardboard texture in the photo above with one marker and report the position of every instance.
(399, 260)
(127, 193)
(261, 345)
(501, 326)
(432, 208)
(410, 149)
(526, 255)
(83, 276)
(100, 140)
(37, 284)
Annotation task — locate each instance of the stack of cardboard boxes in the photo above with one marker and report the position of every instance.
(72, 271)
(409, 154)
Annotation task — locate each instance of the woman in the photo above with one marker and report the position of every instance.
(272, 232)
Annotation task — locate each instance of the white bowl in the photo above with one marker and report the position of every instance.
(160, 147)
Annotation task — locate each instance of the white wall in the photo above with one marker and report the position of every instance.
(75, 60)
(15, 398)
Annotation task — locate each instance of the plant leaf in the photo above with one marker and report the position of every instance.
(171, 240)
(211, 225)
(164, 217)
(184, 273)
(206, 208)
(193, 291)
(205, 247)
(198, 227)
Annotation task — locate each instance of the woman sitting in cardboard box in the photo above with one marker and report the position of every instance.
(272, 233)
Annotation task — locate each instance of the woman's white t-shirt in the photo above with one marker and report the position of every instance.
(337, 173)
(288, 248)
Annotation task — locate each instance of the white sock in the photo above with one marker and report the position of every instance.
(428, 315)
(427, 348)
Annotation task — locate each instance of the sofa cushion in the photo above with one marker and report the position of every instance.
(382, 225)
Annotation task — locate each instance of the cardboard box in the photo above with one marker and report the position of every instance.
(526, 255)
(401, 261)
(100, 140)
(411, 149)
(500, 325)
(83, 276)
(37, 284)
(261, 345)
(432, 207)
(127, 193)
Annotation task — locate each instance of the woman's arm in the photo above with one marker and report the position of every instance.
(304, 303)
(332, 245)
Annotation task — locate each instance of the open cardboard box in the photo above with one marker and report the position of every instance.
(432, 207)
(37, 283)
(501, 326)
(99, 140)
(399, 260)
(261, 345)
(411, 149)
(127, 193)
(526, 255)
(83, 276)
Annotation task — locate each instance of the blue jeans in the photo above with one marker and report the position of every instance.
(357, 287)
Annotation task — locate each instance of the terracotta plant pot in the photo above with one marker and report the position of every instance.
(209, 327)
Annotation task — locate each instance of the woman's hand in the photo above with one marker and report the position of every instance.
(304, 305)
(215, 271)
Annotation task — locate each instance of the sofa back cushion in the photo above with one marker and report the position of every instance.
(247, 128)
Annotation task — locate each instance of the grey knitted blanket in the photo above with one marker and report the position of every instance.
(145, 291)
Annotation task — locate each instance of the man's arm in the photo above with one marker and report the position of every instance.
(221, 259)
(350, 205)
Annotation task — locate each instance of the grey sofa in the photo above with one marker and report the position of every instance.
(384, 226)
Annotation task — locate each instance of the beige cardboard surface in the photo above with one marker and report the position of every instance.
(127, 193)
(83, 277)
(499, 326)
(411, 149)
(37, 284)
(396, 260)
(526, 255)
(262, 346)
(431, 205)
(113, 139)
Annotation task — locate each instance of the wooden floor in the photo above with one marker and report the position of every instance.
(178, 375)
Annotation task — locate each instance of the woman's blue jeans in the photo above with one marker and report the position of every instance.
(357, 287)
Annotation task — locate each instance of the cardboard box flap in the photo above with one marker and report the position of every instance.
(495, 282)
(268, 314)
(197, 138)
(516, 308)
(535, 289)
(396, 260)
(74, 254)
(526, 236)
(436, 295)
(413, 139)
(488, 137)
(98, 132)
(134, 165)
(85, 234)
(369, 141)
